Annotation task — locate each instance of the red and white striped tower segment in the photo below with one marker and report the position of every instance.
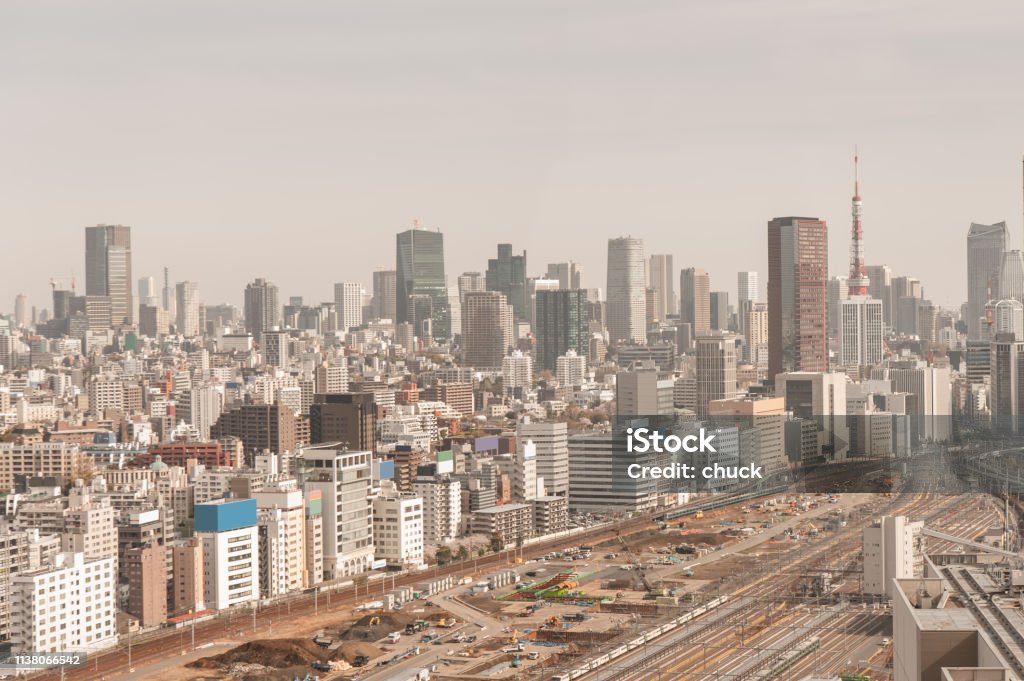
(858, 282)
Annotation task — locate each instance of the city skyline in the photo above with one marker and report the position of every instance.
(573, 142)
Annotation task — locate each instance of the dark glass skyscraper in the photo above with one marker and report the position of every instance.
(985, 246)
(562, 317)
(422, 289)
(108, 268)
(507, 274)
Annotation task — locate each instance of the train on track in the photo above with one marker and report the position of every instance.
(642, 639)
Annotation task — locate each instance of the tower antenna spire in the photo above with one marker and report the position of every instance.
(858, 282)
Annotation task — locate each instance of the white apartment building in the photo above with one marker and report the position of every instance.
(228, 532)
(68, 605)
(207, 403)
(517, 372)
(331, 378)
(282, 532)
(571, 369)
(442, 509)
(105, 392)
(348, 301)
(398, 530)
(344, 480)
(552, 445)
(524, 473)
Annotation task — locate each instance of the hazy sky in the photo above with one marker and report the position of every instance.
(293, 140)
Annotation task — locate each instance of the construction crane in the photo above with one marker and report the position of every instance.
(636, 561)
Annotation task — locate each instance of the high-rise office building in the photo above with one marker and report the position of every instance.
(837, 291)
(147, 292)
(880, 288)
(985, 247)
(22, 313)
(385, 283)
(507, 274)
(422, 290)
(716, 370)
(569, 274)
(1006, 355)
(1007, 317)
(643, 390)
(662, 280)
(1011, 276)
(797, 295)
(627, 291)
(561, 325)
(748, 287)
(486, 329)
(860, 332)
(552, 447)
(695, 300)
(108, 269)
(719, 306)
(348, 303)
(470, 282)
(753, 323)
(186, 295)
(262, 311)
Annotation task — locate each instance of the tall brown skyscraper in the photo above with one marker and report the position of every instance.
(695, 299)
(350, 418)
(486, 328)
(259, 427)
(797, 298)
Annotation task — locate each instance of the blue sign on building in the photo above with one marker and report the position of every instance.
(222, 516)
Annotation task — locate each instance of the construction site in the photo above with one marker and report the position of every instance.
(558, 610)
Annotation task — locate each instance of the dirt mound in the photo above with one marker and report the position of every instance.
(375, 627)
(277, 653)
(350, 650)
(709, 538)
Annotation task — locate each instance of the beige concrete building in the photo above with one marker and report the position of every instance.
(188, 586)
(955, 625)
(146, 568)
(38, 458)
(767, 415)
(892, 550)
(512, 522)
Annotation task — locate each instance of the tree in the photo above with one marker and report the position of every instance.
(443, 556)
(463, 552)
(497, 543)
